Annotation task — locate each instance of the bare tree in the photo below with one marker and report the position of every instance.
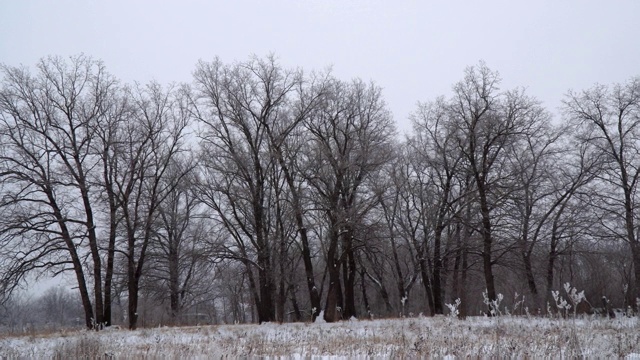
(243, 110)
(531, 202)
(148, 146)
(414, 213)
(609, 119)
(351, 138)
(48, 123)
(486, 123)
(178, 250)
(437, 163)
(390, 190)
(285, 138)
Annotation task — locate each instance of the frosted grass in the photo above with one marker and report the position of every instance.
(439, 337)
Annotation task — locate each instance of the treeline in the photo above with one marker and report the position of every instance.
(54, 309)
(262, 193)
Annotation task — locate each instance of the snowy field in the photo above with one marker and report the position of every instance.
(409, 338)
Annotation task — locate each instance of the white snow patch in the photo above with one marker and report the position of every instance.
(320, 318)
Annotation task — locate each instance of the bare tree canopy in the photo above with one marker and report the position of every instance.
(260, 193)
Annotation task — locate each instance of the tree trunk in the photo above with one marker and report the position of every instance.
(384, 294)
(133, 305)
(463, 296)
(108, 276)
(349, 310)
(631, 238)
(294, 303)
(635, 252)
(77, 264)
(253, 290)
(282, 299)
(426, 281)
(132, 286)
(421, 253)
(550, 272)
(82, 287)
(487, 241)
(314, 295)
(401, 285)
(95, 255)
(526, 254)
(266, 309)
(438, 291)
(174, 279)
(333, 305)
(437, 275)
(528, 270)
(365, 298)
(86, 301)
(457, 263)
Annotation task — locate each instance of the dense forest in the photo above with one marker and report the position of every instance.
(259, 193)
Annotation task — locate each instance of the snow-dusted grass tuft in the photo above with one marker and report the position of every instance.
(409, 337)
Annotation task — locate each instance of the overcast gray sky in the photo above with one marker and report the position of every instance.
(416, 50)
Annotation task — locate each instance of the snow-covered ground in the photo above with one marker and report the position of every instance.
(411, 337)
